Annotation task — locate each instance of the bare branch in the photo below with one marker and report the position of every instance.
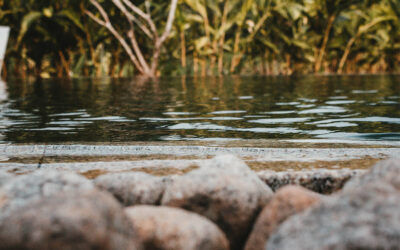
(143, 15)
(145, 22)
(131, 34)
(107, 24)
(170, 21)
(132, 18)
(103, 13)
(138, 52)
(94, 18)
(142, 27)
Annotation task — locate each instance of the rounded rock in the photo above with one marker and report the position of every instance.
(363, 218)
(134, 188)
(174, 228)
(286, 202)
(72, 220)
(228, 162)
(230, 195)
(384, 171)
(5, 177)
(22, 190)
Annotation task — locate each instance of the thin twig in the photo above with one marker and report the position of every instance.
(170, 21)
(131, 35)
(107, 24)
(134, 50)
(132, 18)
(41, 160)
(143, 15)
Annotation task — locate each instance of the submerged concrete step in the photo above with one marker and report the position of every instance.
(267, 154)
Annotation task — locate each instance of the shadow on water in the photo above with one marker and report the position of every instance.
(126, 110)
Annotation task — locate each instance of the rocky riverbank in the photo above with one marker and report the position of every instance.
(222, 204)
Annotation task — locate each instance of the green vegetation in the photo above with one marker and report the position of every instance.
(207, 37)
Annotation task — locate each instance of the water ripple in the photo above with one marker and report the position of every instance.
(280, 120)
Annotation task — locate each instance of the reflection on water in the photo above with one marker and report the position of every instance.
(108, 110)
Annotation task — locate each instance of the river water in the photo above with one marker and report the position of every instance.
(232, 108)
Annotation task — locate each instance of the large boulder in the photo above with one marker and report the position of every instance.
(387, 171)
(24, 189)
(5, 177)
(286, 202)
(134, 188)
(367, 217)
(225, 191)
(173, 228)
(76, 219)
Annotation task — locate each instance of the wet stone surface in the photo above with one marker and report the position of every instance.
(321, 181)
(272, 154)
(167, 158)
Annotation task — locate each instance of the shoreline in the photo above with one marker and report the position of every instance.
(294, 158)
(257, 206)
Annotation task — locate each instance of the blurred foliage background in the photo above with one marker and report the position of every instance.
(209, 37)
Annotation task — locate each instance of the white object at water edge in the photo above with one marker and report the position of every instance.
(4, 32)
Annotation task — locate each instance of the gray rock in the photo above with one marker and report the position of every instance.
(387, 171)
(320, 181)
(22, 190)
(71, 220)
(5, 177)
(286, 202)
(367, 217)
(134, 188)
(174, 228)
(229, 163)
(232, 165)
(225, 191)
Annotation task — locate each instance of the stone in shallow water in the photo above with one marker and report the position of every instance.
(385, 171)
(286, 202)
(321, 181)
(5, 177)
(225, 191)
(22, 190)
(367, 217)
(82, 220)
(134, 188)
(174, 228)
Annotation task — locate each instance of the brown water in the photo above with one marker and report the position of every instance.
(108, 110)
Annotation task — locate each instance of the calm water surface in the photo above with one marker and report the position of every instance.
(109, 110)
